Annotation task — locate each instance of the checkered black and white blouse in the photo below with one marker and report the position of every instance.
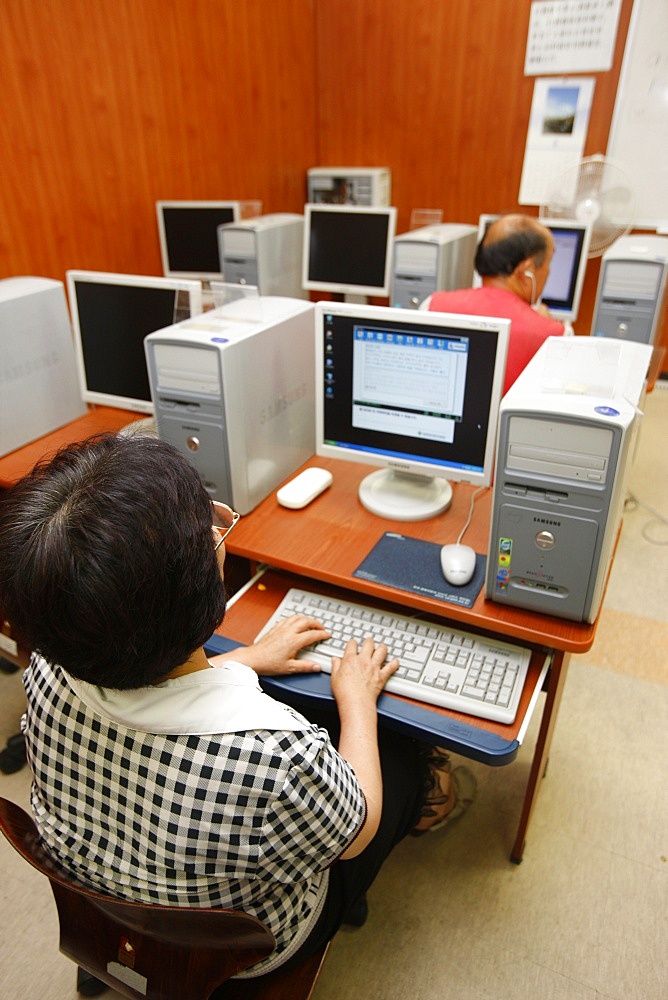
(246, 819)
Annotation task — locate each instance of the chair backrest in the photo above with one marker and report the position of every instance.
(141, 950)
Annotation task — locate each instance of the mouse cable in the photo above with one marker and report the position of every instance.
(481, 489)
(633, 503)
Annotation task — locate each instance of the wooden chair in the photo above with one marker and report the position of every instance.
(148, 952)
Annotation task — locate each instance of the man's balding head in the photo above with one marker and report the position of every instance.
(510, 241)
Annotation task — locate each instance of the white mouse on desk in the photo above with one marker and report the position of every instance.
(458, 563)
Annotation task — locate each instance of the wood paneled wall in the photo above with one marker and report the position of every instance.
(435, 89)
(111, 104)
(108, 105)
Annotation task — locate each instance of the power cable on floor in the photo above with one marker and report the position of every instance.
(659, 521)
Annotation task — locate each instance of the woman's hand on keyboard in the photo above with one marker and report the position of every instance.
(358, 677)
(276, 651)
(361, 672)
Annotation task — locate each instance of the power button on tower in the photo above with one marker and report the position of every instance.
(545, 540)
(193, 443)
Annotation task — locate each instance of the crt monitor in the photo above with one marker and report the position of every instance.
(111, 315)
(348, 249)
(188, 233)
(412, 392)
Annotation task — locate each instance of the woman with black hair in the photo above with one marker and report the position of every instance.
(164, 776)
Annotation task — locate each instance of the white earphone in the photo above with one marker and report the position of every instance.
(532, 278)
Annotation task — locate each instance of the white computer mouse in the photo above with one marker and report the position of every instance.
(458, 563)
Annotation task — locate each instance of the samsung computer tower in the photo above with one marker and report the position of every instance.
(39, 389)
(567, 429)
(349, 186)
(233, 390)
(265, 252)
(432, 259)
(632, 289)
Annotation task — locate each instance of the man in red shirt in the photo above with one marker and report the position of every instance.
(513, 260)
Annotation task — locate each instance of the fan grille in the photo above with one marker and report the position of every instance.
(597, 191)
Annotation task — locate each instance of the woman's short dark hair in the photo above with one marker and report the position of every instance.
(107, 562)
(503, 255)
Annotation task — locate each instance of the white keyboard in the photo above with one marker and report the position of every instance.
(457, 670)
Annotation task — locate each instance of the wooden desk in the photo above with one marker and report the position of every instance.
(326, 542)
(98, 419)
(329, 539)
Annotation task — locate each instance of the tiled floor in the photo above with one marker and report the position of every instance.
(584, 917)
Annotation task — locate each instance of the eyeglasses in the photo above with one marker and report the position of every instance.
(224, 519)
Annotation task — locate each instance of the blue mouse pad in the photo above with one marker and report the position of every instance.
(413, 565)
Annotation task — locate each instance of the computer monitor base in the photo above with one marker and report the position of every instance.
(401, 496)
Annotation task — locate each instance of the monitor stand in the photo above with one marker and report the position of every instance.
(404, 496)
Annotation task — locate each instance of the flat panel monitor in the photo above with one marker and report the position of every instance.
(189, 236)
(111, 315)
(563, 287)
(348, 249)
(414, 393)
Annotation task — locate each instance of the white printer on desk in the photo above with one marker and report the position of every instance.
(233, 390)
(567, 429)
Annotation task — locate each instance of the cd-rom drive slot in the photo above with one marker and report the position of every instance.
(566, 465)
(561, 449)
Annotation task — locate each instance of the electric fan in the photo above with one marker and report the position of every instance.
(597, 191)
